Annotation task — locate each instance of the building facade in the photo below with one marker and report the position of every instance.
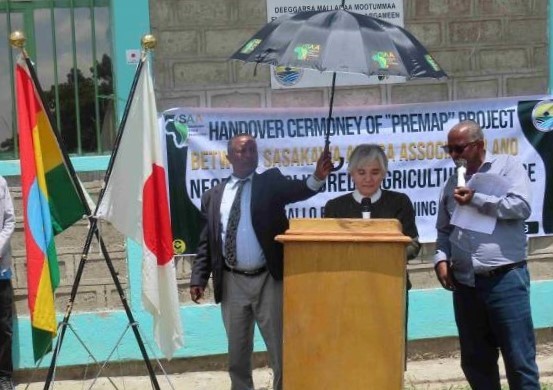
(85, 53)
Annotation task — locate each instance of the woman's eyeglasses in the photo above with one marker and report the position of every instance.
(457, 148)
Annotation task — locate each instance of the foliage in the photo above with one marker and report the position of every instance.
(67, 109)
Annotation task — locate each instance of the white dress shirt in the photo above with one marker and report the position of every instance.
(249, 254)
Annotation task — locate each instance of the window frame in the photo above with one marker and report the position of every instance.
(27, 9)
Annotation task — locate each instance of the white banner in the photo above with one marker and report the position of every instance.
(411, 135)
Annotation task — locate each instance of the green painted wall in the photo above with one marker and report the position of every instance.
(430, 316)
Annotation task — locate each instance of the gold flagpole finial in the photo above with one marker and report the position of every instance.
(17, 39)
(148, 42)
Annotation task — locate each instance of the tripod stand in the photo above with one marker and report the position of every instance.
(47, 133)
(92, 232)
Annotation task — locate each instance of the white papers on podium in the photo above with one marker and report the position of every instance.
(468, 217)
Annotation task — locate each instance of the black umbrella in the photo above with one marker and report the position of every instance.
(340, 41)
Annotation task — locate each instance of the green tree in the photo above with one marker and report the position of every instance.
(87, 100)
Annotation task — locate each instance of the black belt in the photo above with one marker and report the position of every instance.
(253, 272)
(502, 269)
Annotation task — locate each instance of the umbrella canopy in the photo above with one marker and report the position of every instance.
(340, 41)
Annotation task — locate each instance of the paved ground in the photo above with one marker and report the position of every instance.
(433, 374)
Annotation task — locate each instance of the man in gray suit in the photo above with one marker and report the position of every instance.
(247, 276)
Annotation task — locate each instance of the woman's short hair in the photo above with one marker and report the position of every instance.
(364, 154)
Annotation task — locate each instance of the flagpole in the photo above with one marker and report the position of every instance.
(17, 39)
(61, 144)
(94, 231)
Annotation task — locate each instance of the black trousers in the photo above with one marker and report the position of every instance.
(6, 327)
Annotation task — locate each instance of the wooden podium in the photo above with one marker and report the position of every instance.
(344, 304)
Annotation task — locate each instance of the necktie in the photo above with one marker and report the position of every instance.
(366, 208)
(366, 205)
(232, 226)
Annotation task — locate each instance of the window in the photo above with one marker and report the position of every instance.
(69, 41)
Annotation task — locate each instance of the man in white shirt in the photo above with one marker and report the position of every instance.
(237, 246)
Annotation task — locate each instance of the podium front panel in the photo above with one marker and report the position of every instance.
(344, 314)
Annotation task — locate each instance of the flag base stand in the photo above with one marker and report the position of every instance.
(93, 231)
(88, 351)
(90, 355)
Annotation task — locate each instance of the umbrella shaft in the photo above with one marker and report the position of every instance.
(332, 88)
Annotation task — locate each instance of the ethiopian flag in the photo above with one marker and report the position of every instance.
(51, 204)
